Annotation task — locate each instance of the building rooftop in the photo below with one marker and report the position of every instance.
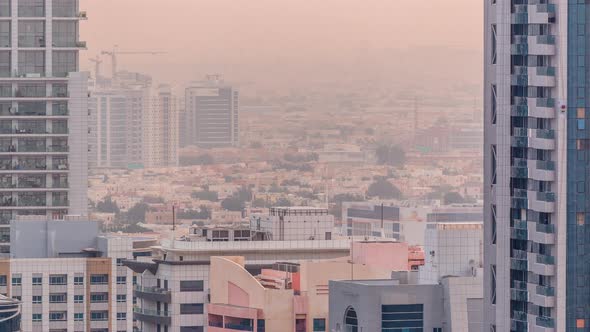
(245, 246)
(373, 282)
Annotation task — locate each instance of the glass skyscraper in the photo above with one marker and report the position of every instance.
(537, 165)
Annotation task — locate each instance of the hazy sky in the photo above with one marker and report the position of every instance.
(289, 41)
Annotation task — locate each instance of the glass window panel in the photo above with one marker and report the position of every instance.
(31, 34)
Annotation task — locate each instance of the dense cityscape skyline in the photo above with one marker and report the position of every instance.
(327, 166)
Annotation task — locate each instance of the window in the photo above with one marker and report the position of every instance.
(78, 316)
(58, 279)
(493, 285)
(37, 317)
(4, 61)
(191, 308)
(494, 45)
(191, 329)
(37, 299)
(581, 113)
(64, 62)
(57, 298)
(99, 315)
(65, 8)
(31, 34)
(350, 320)
(437, 329)
(78, 280)
(31, 62)
(65, 33)
(31, 8)
(405, 317)
(121, 280)
(18, 298)
(5, 8)
(99, 297)
(581, 218)
(119, 261)
(121, 316)
(261, 325)
(16, 280)
(580, 323)
(494, 165)
(37, 281)
(2, 280)
(319, 324)
(328, 236)
(191, 286)
(57, 315)
(494, 225)
(121, 298)
(494, 98)
(99, 279)
(78, 298)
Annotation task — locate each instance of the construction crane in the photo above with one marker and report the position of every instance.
(115, 52)
(97, 61)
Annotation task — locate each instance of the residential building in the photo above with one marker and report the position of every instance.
(70, 278)
(43, 112)
(396, 220)
(221, 232)
(451, 249)
(172, 290)
(286, 297)
(535, 161)
(115, 135)
(10, 314)
(212, 113)
(293, 223)
(372, 220)
(161, 129)
(396, 305)
(445, 294)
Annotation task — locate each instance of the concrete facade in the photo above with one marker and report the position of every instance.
(43, 112)
(212, 114)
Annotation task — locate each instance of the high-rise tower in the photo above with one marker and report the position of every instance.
(212, 112)
(43, 112)
(536, 166)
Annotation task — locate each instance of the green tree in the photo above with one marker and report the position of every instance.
(107, 206)
(384, 190)
(205, 195)
(237, 201)
(283, 202)
(391, 155)
(137, 213)
(453, 198)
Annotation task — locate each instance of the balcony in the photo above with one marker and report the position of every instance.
(534, 107)
(545, 322)
(540, 233)
(161, 317)
(540, 45)
(542, 264)
(155, 294)
(541, 14)
(546, 196)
